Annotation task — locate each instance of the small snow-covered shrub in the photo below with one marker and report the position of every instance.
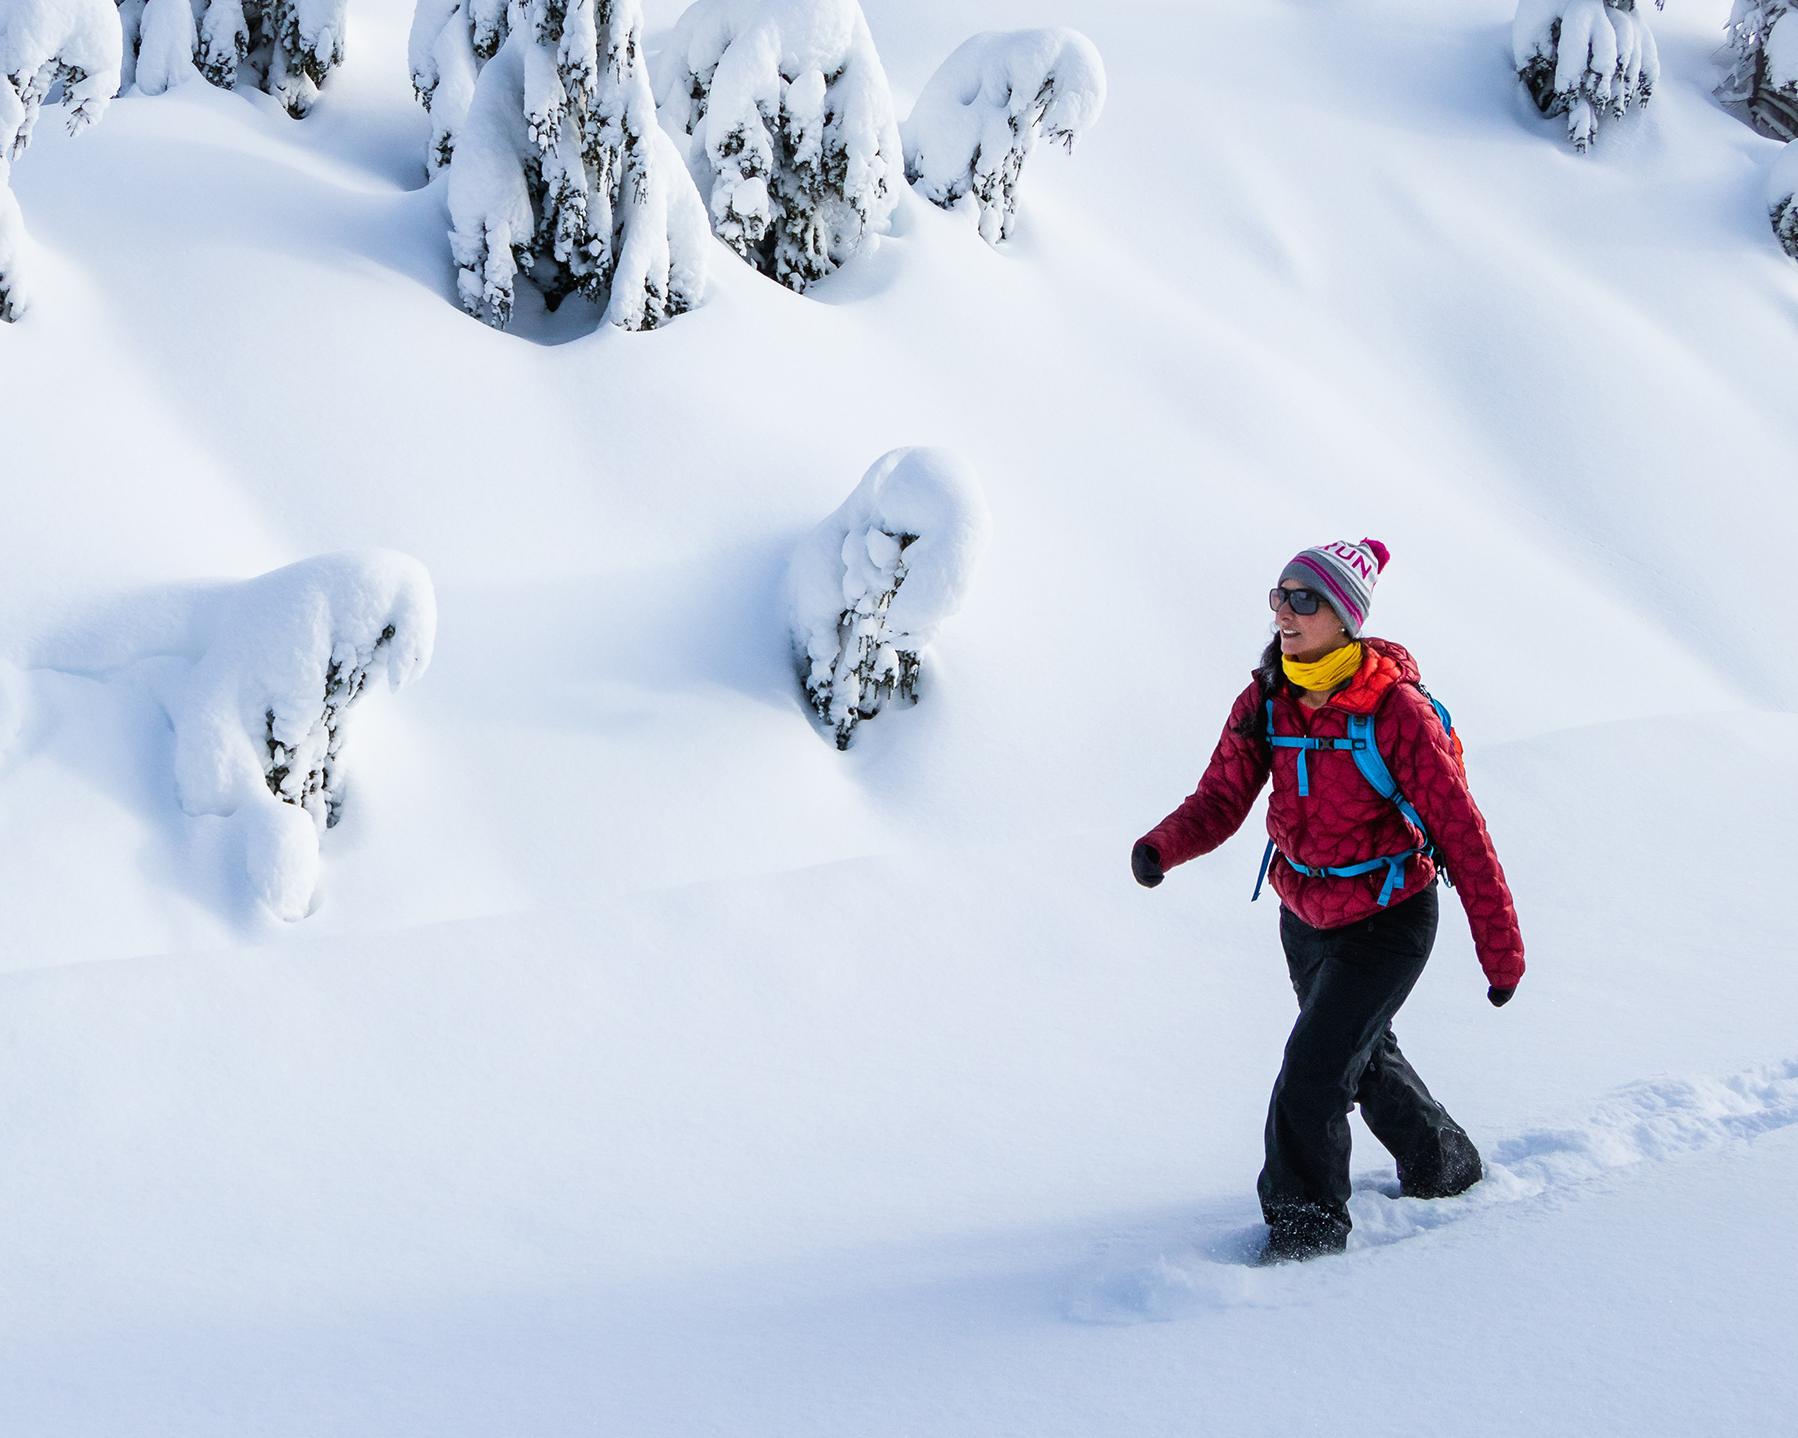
(869, 589)
(977, 120)
(1782, 198)
(1763, 41)
(789, 127)
(283, 47)
(70, 46)
(451, 40)
(560, 168)
(261, 720)
(1584, 59)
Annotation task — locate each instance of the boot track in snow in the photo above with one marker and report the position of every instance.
(1657, 1120)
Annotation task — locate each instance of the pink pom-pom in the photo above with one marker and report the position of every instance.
(1380, 552)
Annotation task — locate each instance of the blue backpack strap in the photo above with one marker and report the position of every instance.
(1267, 857)
(1394, 864)
(1372, 765)
(1304, 746)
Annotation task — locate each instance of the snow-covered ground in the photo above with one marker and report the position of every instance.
(649, 1068)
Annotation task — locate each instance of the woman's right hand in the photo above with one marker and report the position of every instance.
(1145, 863)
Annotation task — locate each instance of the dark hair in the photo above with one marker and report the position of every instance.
(1269, 676)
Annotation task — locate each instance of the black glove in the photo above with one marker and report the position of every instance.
(1145, 863)
(1498, 997)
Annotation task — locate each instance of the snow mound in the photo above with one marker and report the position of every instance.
(260, 720)
(871, 586)
(977, 120)
(789, 128)
(1584, 59)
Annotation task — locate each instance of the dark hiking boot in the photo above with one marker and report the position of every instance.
(1456, 1170)
(1286, 1244)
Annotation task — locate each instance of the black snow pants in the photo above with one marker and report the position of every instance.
(1350, 981)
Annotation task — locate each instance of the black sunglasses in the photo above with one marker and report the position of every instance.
(1303, 601)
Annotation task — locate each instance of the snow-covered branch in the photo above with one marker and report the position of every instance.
(790, 129)
(1782, 198)
(451, 40)
(1584, 59)
(261, 720)
(870, 588)
(45, 45)
(283, 47)
(560, 168)
(1763, 42)
(977, 120)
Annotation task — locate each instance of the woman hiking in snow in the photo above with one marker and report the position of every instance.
(1356, 873)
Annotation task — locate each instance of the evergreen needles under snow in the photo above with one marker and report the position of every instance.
(977, 120)
(560, 168)
(1584, 59)
(284, 47)
(1782, 198)
(1764, 75)
(451, 40)
(790, 129)
(870, 587)
(260, 721)
(71, 46)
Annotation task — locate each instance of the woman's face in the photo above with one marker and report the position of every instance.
(1308, 637)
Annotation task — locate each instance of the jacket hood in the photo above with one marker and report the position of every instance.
(1383, 665)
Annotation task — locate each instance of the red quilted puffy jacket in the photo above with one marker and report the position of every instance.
(1344, 820)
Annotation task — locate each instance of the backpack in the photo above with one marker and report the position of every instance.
(1363, 742)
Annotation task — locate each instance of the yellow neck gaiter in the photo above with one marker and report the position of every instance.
(1326, 673)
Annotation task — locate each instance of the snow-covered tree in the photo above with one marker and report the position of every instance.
(451, 40)
(71, 47)
(870, 588)
(1782, 198)
(977, 120)
(790, 129)
(560, 168)
(260, 720)
(1763, 41)
(1584, 59)
(284, 47)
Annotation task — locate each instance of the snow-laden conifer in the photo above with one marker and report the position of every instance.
(161, 40)
(1763, 75)
(284, 47)
(560, 168)
(871, 586)
(789, 128)
(1584, 59)
(451, 40)
(977, 120)
(261, 719)
(67, 47)
(1782, 198)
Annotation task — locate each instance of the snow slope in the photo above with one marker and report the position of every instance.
(650, 1068)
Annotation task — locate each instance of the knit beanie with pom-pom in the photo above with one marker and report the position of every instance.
(1344, 574)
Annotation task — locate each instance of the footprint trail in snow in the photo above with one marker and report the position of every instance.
(1653, 1121)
